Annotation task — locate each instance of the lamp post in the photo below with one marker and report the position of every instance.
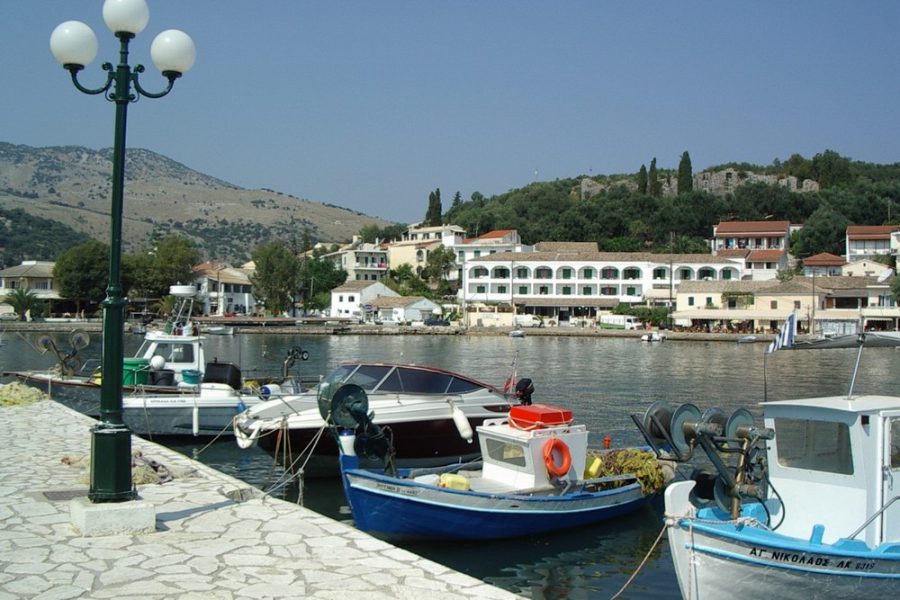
(74, 45)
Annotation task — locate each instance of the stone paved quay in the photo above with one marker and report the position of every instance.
(208, 543)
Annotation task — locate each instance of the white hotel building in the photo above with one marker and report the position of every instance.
(565, 282)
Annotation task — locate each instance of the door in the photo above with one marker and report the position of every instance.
(891, 473)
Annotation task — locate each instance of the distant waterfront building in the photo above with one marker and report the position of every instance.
(569, 281)
(760, 245)
(823, 264)
(224, 289)
(361, 260)
(419, 241)
(868, 241)
(352, 300)
(35, 276)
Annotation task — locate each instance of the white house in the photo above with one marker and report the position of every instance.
(224, 289)
(401, 309)
(352, 300)
(361, 260)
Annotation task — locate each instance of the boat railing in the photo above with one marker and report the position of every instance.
(873, 517)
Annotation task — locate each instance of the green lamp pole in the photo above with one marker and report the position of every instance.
(74, 45)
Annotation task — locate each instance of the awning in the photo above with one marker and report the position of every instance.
(568, 302)
(712, 314)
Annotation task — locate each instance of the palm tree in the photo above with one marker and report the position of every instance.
(22, 301)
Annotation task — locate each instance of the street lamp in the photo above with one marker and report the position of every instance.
(74, 45)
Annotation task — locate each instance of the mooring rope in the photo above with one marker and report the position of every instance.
(643, 562)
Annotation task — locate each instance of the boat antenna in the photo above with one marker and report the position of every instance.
(861, 341)
(765, 376)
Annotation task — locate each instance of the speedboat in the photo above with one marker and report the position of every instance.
(534, 477)
(809, 509)
(430, 413)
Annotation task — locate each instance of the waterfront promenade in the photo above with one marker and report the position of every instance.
(215, 536)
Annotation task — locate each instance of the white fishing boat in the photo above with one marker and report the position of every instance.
(167, 358)
(810, 509)
(653, 336)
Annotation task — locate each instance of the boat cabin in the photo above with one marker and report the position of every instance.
(513, 449)
(835, 464)
(178, 352)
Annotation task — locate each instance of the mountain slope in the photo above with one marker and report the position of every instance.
(71, 185)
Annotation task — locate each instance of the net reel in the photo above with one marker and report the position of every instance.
(675, 433)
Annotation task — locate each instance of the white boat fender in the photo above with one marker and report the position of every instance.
(462, 424)
(243, 438)
(347, 438)
(270, 389)
(196, 416)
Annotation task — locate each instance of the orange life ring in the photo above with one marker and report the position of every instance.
(551, 448)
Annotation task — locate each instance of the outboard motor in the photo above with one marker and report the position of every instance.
(524, 390)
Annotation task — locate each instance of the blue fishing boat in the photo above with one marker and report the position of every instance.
(534, 477)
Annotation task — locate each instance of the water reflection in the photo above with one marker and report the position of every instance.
(603, 380)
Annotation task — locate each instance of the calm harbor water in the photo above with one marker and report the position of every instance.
(603, 380)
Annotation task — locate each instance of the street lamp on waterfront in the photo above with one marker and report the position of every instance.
(74, 45)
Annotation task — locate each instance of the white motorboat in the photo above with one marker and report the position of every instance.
(810, 509)
(653, 336)
(429, 412)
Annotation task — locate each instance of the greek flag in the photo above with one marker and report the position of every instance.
(785, 338)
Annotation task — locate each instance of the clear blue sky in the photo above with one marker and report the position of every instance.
(372, 105)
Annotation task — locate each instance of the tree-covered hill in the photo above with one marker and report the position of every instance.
(621, 218)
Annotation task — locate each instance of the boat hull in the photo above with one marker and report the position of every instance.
(417, 444)
(181, 418)
(397, 509)
(721, 560)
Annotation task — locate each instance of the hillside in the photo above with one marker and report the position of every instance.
(71, 186)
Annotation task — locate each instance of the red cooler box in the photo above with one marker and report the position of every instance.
(538, 416)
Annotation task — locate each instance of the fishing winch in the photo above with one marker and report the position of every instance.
(675, 432)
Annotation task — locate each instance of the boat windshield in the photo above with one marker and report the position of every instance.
(404, 380)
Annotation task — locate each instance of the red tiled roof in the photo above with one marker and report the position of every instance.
(824, 259)
(732, 228)
(497, 233)
(871, 232)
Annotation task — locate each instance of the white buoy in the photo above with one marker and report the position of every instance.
(462, 424)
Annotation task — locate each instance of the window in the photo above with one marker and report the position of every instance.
(684, 274)
(543, 290)
(773, 304)
(895, 443)
(567, 290)
(477, 253)
(814, 445)
(709, 301)
(796, 305)
(351, 298)
(521, 273)
(631, 273)
(608, 291)
(340, 298)
(567, 273)
(523, 289)
(659, 273)
(501, 289)
(480, 289)
(726, 274)
(587, 291)
(588, 273)
(511, 455)
(631, 291)
(609, 273)
(690, 300)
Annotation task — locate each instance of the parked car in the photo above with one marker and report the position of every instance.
(435, 322)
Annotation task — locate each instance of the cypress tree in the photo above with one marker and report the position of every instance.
(685, 174)
(433, 215)
(655, 185)
(642, 180)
